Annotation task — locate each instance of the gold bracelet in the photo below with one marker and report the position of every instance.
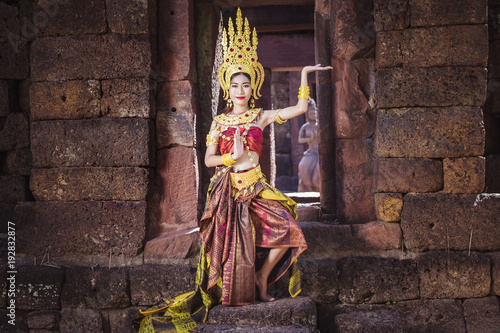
(212, 140)
(278, 118)
(304, 92)
(227, 159)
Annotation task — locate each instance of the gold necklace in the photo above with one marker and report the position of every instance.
(242, 118)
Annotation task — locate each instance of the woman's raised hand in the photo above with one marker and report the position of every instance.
(238, 145)
(309, 69)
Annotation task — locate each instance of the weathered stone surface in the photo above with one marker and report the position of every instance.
(55, 18)
(178, 244)
(99, 57)
(92, 142)
(176, 49)
(65, 99)
(482, 314)
(457, 45)
(6, 215)
(12, 189)
(4, 97)
(453, 275)
(214, 328)
(380, 321)
(309, 212)
(89, 287)
(131, 16)
(176, 112)
(38, 287)
(352, 32)
(353, 116)
(492, 135)
(178, 190)
(432, 316)
(15, 133)
(20, 322)
(169, 281)
(492, 105)
(391, 14)
(440, 221)
(45, 319)
(14, 59)
(81, 321)
(430, 132)
(18, 162)
(388, 206)
(354, 180)
(288, 311)
(494, 66)
(414, 86)
(128, 98)
(464, 175)
(377, 280)
(9, 21)
(436, 12)
(492, 172)
(324, 240)
(120, 320)
(495, 274)
(90, 183)
(493, 21)
(408, 175)
(85, 227)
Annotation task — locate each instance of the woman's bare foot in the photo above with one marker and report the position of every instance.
(261, 285)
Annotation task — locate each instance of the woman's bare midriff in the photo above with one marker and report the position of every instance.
(244, 162)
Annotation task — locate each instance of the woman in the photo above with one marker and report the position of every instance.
(248, 229)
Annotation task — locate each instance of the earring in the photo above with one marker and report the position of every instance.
(229, 103)
(252, 103)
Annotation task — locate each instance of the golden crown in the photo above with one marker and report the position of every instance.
(240, 56)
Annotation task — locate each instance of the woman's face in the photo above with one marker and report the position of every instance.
(240, 90)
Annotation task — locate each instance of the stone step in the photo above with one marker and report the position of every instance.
(216, 328)
(304, 197)
(283, 312)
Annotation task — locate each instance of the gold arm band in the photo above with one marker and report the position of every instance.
(278, 118)
(227, 159)
(212, 140)
(304, 92)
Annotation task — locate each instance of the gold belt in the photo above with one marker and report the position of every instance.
(240, 180)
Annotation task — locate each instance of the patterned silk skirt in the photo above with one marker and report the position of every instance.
(244, 217)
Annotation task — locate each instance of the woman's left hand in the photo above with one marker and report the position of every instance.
(309, 69)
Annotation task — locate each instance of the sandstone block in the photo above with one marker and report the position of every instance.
(288, 311)
(15, 132)
(430, 132)
(128, 98)
(38, 287)
(56, 18)
(131, 16)
(65, 99)
(4, 97)
(89, 287)
(453, 275)
(380, 321)
(413, 86)
(432, 316)
(20, 324)
(119, 320)
(495, 274)
(482, 314)
(85, 227)
(100, 57)
(18, 162)
(228, 328)
(388, 206)
(492, 171)
(179, 195)
(92, 142)
(408, 175)
(151, 284)
(91, 183)
(464, 175)
(436, 12)
(176, 50)
(14, 59)
(354, 180)
(12, 189)
(6, 215)
(178, 244)
(46, 319)
(81, 321)
(9, 21)
(309, 212)
(391, 15)
(440, 221)
(377, 280)
(457, 45)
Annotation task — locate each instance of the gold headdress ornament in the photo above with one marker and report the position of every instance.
(240, 56)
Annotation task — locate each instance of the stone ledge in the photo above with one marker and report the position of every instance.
(214, 328)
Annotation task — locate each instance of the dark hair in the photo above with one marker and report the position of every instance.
(228, 109)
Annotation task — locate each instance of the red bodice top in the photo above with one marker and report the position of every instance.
(255, 139)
